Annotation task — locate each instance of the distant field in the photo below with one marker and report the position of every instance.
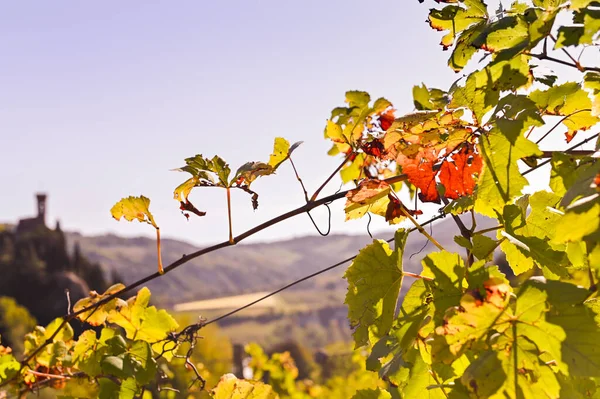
(229, 302)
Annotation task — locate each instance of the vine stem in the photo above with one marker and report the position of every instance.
(482, 231)
(539, 165)
(421, 229)
(414, 275)
(231, 241)
(577, 64)
(562, 62)
(53, 376)
(160, 265)
(315, 195)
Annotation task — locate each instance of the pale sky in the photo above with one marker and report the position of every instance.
(100, 100)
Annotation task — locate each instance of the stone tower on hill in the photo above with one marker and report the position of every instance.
(32, 224)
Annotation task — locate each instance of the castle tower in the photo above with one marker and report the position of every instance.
(41, 204)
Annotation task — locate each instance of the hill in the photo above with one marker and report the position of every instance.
(245, 268)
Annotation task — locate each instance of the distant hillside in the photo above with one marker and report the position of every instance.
(244, 268)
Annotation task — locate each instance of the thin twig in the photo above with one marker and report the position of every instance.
(562, 62)
(52, 376)
(67, 293)
(299, 179)
(229, 215)
(568, 149)
(559, 122)
(421, 229)
(577, 64)
(483, 231)
(158, 253)
(316, 194)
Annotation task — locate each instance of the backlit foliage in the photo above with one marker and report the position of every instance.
(463, 330)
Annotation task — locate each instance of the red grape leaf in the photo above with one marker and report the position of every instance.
(457, 176)
(422, 176)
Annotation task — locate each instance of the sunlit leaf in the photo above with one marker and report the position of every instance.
(501, 181)
(229, 387)
(369, 196)
(455, 19)
(97, 316)
(133, 208)
(374, 280)
(141, 321)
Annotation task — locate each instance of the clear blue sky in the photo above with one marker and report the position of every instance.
(100, 100)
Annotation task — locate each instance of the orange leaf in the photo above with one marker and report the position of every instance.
(366, 191)
(422, 176)
(457, 176)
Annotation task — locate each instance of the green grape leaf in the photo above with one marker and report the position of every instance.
(514, 368)
(569, 332)
(139, 358)
(507, 33)
(590, 19)
(372, 394)
(352, 171)
(410, 323)
(281, 151)
(477, 95)
(415, 379)
(583, 184)
(519, 114)
(229, 387)
(65, 334)
(460, 205)
(540, 23)
(465, 49)
(133, 208)
(129, 389)
(501, 181)
(9, 366)
(563, 174)
(577, 225)
(569, 100)
(591, 82)
(429, 99)
(143, 322)
(357, 98)
(113, 365)
(374, 280)
(108, 389)
(481, 90)
(523, 248)
(483, 247)
(85, 342)
(97, 316)
(447, 271)
(456, 19)
(478, 312)
(79, 388)
(569, 36)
